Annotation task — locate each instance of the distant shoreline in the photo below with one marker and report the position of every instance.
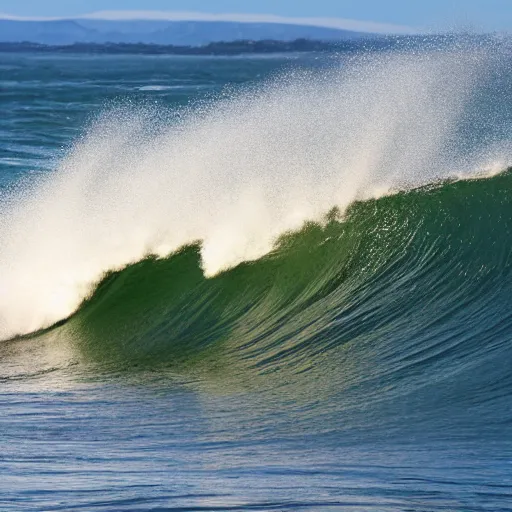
(244, 47)
(218, 48)
(248, 47)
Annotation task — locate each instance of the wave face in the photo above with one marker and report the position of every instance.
(406, 293)
(238, 172)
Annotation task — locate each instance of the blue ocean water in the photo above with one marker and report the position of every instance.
(256, 283)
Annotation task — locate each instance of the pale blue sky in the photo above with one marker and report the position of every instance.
(428, 14)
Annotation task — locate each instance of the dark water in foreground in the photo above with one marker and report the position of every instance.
(363, 363)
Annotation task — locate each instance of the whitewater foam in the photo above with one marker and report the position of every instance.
(234, 173)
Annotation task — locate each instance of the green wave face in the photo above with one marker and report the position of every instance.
(409, 286)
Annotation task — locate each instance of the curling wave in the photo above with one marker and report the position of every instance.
(405, 294)
(237, 172)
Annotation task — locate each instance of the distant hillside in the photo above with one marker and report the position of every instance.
(182, 33)
(44, 32)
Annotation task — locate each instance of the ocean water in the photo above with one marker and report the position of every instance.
(257, 283)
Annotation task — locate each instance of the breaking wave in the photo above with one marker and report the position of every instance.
(234, 174)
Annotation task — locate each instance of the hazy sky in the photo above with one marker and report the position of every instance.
(423, 14)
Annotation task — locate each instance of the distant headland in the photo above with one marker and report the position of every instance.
(217, 48)
(241, 47)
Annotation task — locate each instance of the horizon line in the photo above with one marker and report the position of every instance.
(324, 22)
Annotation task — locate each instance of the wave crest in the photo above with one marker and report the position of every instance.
(235, 173)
